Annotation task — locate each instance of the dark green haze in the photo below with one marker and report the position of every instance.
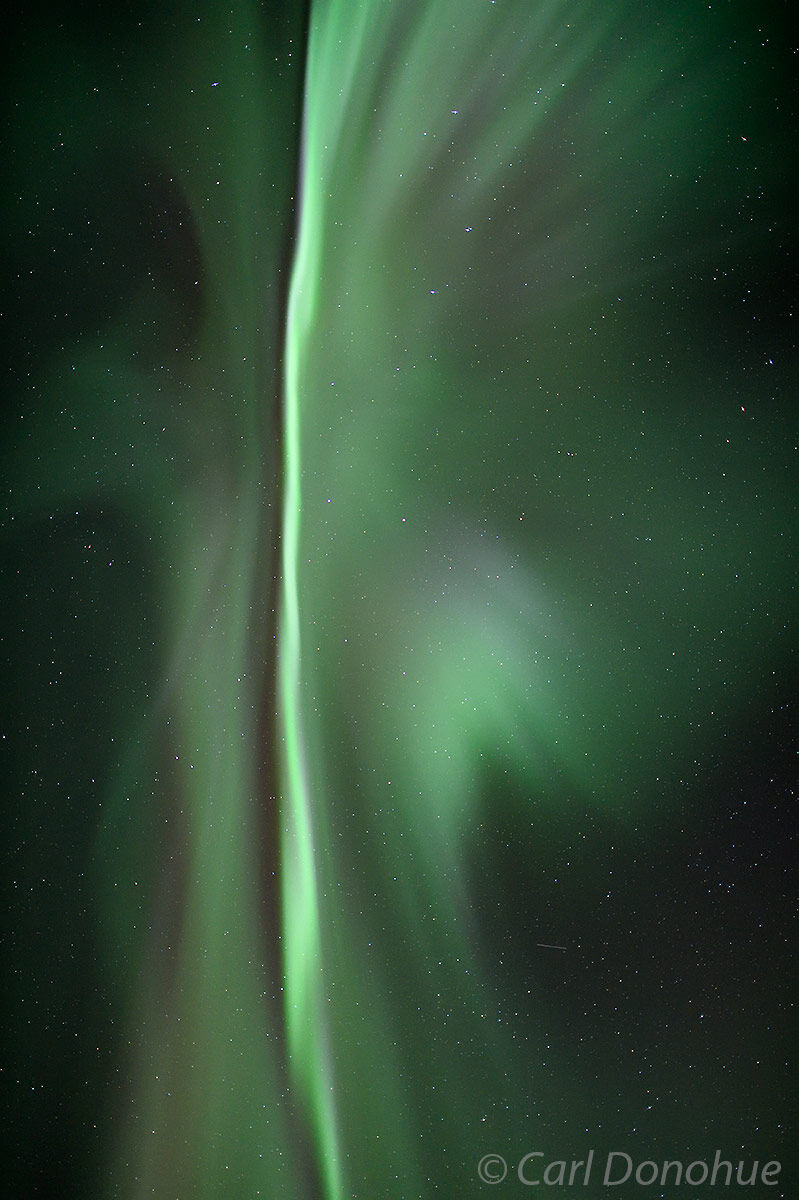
(397, 585)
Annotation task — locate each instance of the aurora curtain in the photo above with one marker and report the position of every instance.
(397, 762)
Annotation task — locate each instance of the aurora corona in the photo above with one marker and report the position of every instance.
(397, 596)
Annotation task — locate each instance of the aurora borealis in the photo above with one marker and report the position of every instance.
(398, 767)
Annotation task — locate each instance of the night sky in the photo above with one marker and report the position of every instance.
(398, 765)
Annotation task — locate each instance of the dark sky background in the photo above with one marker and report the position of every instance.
(469, 328)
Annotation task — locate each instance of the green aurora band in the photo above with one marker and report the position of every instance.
(398, 542)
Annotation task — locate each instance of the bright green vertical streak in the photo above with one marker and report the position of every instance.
(305, 1021)
(303, 971)
(300, 903)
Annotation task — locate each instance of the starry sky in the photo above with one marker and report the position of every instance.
(398, 766)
